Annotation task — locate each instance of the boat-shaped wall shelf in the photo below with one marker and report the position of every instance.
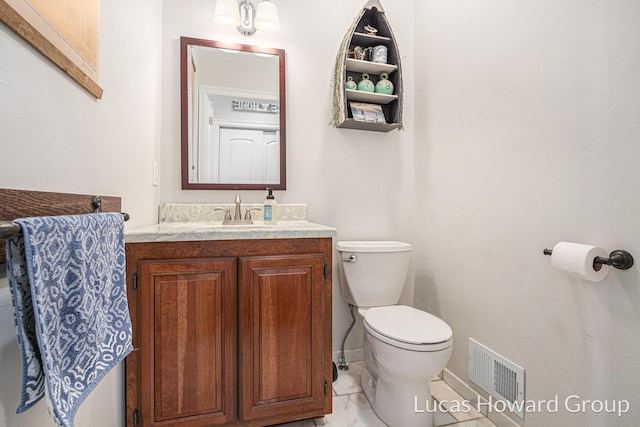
(370, 30)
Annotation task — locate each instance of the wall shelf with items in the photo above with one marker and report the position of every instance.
(368, 50)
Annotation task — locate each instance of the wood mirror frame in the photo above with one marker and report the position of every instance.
(185, 42)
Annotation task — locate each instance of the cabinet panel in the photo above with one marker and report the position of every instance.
(281, 341)
(188, 341)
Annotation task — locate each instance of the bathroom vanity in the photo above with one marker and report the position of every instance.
(231, 324)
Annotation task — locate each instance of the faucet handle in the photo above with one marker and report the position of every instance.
(227, 213)
(247, 213)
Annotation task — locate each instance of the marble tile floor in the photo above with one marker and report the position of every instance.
(350, 407)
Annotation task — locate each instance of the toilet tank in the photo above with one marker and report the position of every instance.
(372, 273)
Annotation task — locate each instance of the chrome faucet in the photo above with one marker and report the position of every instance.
(237, 214)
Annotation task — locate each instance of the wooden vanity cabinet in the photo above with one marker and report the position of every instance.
(229, 332)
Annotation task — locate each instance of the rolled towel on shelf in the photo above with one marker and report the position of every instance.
(68, 283)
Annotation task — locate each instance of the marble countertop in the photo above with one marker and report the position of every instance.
(184, 222)
(184, 231)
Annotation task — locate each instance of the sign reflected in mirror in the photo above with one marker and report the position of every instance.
(232, 116)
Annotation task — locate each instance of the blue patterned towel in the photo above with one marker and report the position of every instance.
(67, 278)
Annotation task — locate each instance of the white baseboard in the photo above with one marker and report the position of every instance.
(355, 355)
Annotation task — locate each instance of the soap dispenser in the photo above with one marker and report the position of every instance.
(270, 208)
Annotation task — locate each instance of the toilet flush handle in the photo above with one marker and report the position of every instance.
(352, 258)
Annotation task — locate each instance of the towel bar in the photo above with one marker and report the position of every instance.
(9, 230)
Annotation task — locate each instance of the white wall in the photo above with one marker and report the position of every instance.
(57, 137)
(359, 182)
(527, 128)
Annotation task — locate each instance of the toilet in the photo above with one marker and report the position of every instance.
(403, 347)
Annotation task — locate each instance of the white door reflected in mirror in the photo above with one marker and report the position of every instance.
(248, 156)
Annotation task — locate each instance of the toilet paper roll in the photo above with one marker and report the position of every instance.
(577, 260)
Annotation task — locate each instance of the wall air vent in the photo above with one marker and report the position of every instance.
(501, 378)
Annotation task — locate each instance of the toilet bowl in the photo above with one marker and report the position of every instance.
(403, 347)
(399, 364)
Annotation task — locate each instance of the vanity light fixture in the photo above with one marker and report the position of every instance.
(247, 17)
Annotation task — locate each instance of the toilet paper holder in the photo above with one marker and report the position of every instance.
(618, 258)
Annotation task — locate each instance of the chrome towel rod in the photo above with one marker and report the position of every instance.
(9, 230)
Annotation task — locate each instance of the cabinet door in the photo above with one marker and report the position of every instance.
(188, 341)
(282, 352)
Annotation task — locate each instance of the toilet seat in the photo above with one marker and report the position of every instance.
(390, 324)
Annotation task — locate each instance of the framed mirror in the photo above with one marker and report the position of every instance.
(233, 116)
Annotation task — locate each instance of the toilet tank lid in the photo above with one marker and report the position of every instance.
(408, 324)
(373, 246)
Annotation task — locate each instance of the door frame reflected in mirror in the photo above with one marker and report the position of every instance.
(185, 42)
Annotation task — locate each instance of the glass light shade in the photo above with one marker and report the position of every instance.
(267, 18)
(227, 13)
